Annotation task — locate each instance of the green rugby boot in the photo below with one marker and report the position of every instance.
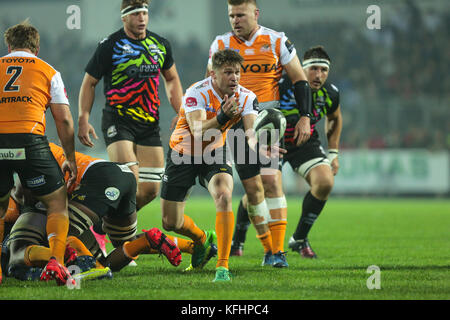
(222, 275)
(205, 252)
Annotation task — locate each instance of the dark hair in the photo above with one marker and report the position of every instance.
(22, 36)
(126, 3)
(316, 52)
(226, 57)
(239, 2)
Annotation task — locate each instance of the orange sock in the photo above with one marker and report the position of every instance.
(224, 231)
(12, 213)
(37, 256)
(79, 246)
(183, 244)
(266, 241)
(278, 231)
(134, 248)
(190, 230)
(57, 228)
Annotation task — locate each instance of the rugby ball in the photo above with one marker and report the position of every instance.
(269, 126)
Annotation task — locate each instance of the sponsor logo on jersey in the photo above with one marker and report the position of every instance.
(265, 48)
(265, 67)
(112, 193)
(18, 60)
(191, 102)
(249, 51)
(25, 99)
(12, 154)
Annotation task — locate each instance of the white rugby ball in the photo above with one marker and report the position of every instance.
(269, 126)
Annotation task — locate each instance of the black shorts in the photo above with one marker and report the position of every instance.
(30, 157)
(116, 128)
(247, 162)
(178, 179)
(108, 189)
(311, 149)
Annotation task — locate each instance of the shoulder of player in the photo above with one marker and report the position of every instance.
(159, 38)
(244, 92)
(332, 90)
(267, 31)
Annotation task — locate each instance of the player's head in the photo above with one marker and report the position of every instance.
(226, 70)
(243, 15)
(316, 63)
(134, 14)
(22, 36)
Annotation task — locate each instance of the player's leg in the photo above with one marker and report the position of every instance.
(321, 180)
(220, 187)
(151, 169)
(276, 202)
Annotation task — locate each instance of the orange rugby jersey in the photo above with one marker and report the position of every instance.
(83, 161)
(28, 86)
(202, 96)
(264, 55)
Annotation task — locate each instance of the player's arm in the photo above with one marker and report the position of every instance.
(85, 103)
(302, 94)
(66, 133)
(174, 90)
(199, 124)
(333, 129)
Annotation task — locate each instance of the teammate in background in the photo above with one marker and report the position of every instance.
(266, 54)
(309, 160)
(29, 86)
(130, 62)
(197, 149)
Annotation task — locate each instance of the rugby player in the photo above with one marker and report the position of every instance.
(29, 86)
(130, 62)
(309, 160)
(266, 54)
(197, 149)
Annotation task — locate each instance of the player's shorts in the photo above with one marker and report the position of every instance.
(306, 156)
(107, 188)
(179, 178)
(116, 128)
(30, 157)
(247, 162)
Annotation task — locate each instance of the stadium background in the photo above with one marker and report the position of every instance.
(394, 82)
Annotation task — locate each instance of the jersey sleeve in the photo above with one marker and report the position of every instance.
(335, 98)
(168, 60)
(251, 105)
(101, 61)
(287, 52)
(213, 49)
(193, 101)
(57, 90)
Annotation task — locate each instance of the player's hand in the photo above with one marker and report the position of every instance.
(85, 130)
(174, 122)
(70, 167)
(272, 152)
(302, 130)
(335, 166)
(231, 107)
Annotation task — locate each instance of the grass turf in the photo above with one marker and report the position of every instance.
(408, 239)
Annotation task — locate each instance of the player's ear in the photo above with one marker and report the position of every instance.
(9, 48)
(37, 51)
(256, 13)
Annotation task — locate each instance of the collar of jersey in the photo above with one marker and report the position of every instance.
(20, 54)
(249, 43)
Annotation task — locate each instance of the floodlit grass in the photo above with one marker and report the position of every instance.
(408, 239)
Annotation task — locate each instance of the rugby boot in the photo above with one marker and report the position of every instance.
(164, 245)
(302, 247)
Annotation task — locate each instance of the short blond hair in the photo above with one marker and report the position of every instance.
(22, 36)
(127, 3)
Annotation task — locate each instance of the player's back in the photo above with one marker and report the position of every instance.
(28, 85)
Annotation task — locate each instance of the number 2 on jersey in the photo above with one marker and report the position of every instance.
(15, 71)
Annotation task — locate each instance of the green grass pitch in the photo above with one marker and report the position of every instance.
(408, 239)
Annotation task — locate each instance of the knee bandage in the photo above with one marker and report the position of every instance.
(259, 210)
(150, 174)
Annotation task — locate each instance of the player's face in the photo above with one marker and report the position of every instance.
(243, 19)
(136, 24)
(227, 78)
(317, 75)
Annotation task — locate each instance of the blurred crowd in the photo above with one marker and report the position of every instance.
(393, 81)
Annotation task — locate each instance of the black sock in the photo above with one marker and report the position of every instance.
(242, 224)
(311, 209)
